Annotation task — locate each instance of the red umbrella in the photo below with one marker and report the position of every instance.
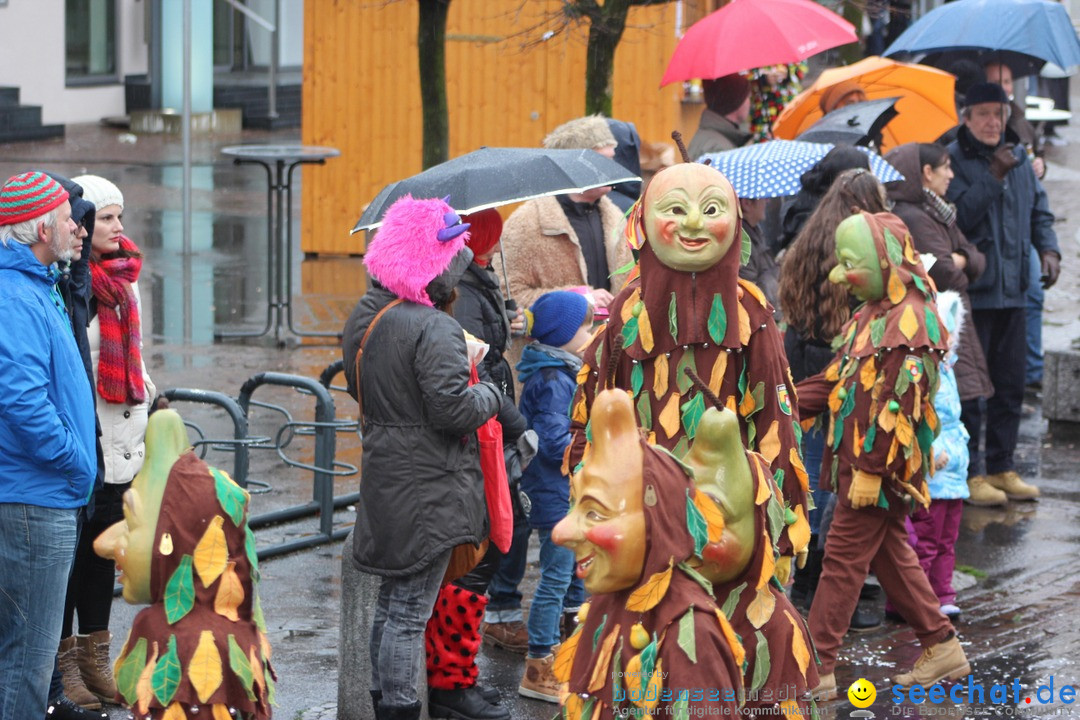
(746, 34)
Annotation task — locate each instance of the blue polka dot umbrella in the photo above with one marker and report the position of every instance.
(773, 168)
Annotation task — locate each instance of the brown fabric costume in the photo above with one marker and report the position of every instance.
(200, 648)
(722, 328)
(781, 667)
(880, 387)
(879, 391)
(692, 662)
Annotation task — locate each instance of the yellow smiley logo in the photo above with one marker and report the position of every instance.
(862, 693)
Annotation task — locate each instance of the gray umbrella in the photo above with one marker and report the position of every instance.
(490, 177)
(855, 124)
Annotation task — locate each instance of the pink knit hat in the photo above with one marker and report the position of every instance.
(416, 243)
(29, 195)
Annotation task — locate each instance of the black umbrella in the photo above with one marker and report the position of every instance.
(855, 124)
(490, 177)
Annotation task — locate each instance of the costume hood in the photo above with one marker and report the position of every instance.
(418, 241)
(906, 160)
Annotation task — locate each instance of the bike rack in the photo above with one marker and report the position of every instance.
(325, 467)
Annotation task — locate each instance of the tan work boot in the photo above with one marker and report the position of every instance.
(983, 494)
(94, 664)
(68, 659)
(826, 688)
(539, 681)
(944, 660)
(1013, 487)
(512, 636)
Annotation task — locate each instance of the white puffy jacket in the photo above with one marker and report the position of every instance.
(123, 427)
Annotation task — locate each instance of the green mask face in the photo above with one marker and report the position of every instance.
(858, 267)
(691, 217)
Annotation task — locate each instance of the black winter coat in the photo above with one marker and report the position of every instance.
(1003, 219)
(421, 489)
(481, 310)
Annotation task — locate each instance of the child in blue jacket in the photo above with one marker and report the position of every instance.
(560, 327)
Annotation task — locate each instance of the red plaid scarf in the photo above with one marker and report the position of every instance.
(120, 378)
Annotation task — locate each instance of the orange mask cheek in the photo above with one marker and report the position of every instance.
(667, 231)
(606, 536)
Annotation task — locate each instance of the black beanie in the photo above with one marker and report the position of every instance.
(985, 93)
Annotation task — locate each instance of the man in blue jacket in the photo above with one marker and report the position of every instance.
(1002, 208)
(47, 432)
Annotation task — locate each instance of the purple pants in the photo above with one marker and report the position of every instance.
(933, 534)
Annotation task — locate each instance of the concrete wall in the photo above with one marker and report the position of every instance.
(32, 33)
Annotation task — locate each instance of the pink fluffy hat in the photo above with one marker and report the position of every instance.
(417, 242)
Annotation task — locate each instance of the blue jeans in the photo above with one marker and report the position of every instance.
(397, 632)
(504, 598)
(813, 447)
(556, 569)
(37, 546)
(1035, 296)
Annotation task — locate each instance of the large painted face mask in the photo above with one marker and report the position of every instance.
(858, 267)
(606, 524)
(130, 542)
(691, 217)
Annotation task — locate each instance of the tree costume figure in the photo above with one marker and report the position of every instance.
(688, 309)
(879, 392)
(653, 640)
(200, 649)
(781, 668)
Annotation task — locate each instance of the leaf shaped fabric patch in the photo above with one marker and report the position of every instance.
(762, 662)
(682, 380)
(717, 324)
(599, 631)
(252, 553)
(175, 711)
(645, 330)
(166, 676)
(564, 660)
(909, 324)
(799, 531)
(649, 594)
(204, 668)
(673, 318)
(877, 331)
(144, 691)
(714, 518)
(230, 594)
(257, 671)
(128, 669)
(630, 332)
(732, 600)
(798, 644)
(687, 637)
(716, 375)
(212, 552)
(644, 411)
(660, 375)
(761, 607)
(669, 416)
(893, 248)
(601, 665)
(241, 667)
(179, 593)
(637, 379)
(627, 310)
(695, 523)
(231, 497)
(933, 329)
(737, 648)
(744, 326)
(868, 373)
(897, 291)
(692, 410)
(769, 446)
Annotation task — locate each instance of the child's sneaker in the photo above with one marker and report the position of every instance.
(951, 611)
(539, 681)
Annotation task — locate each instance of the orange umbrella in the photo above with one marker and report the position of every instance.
(926, 107)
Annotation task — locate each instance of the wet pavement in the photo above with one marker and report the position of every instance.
(1021, 591)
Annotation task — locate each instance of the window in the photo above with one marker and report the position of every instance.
(90, 27)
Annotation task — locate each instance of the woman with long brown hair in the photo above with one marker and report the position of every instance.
(815, 310)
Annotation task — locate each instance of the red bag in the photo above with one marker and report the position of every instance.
(496, 485)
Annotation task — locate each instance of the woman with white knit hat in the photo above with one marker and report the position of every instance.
(125, 394)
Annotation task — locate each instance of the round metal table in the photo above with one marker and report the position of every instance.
(279, 161)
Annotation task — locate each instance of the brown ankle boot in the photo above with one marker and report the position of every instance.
(74, 688)
(94, 664)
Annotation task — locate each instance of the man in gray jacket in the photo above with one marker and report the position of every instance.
(1002, 208)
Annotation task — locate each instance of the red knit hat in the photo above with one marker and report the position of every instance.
(29, 195)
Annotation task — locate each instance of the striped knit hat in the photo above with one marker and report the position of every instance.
(29, 195)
